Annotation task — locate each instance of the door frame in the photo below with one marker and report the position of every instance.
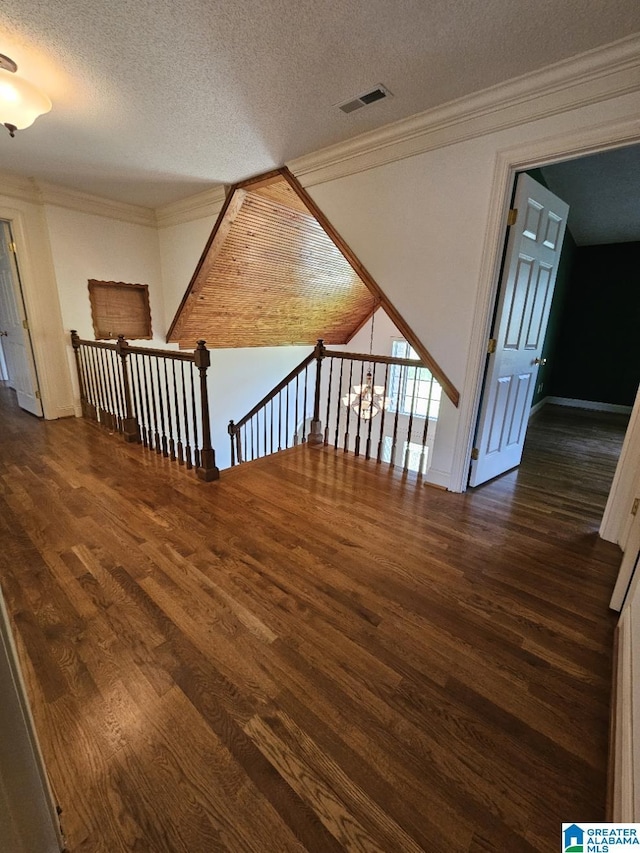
(21, 309)
(510, 161)
(42, 306)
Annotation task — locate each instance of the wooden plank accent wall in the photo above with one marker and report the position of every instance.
(275, 272)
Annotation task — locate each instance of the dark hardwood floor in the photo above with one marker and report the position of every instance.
(312, 654)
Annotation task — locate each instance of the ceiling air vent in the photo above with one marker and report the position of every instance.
(376, 94)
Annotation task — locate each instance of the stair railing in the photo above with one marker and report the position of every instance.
(382, 407)
(155, 397)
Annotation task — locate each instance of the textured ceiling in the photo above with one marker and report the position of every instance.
(603, 194)
(271, 276)
(156, 100)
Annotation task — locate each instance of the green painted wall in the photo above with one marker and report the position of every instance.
(597, 352)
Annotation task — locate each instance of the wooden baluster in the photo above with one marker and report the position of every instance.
(207, 470)
(407, 452)
(256, 448)
(394, 440)
(346, 434)
(172, 441)
(367, 454)
(304, 407)
(143, 394)
(75, 343)
(92, 404)
(315, 433)
(279, 420)
(232, 435)
(338, 407)
(362, 380)
(383, 415)
(93, 356)
(326, 424)
(130, 423)
(89, 411)
(106, 411)
(187, 446)
(246, 441)
(425, 432)
(161, 408)
(287, 425)
(151, 386)
(194, 421)
(107, 361)
(179, 447)
(270, 426)
(118, 407)
(295, 433)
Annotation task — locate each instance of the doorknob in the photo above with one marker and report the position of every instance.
(541, 361)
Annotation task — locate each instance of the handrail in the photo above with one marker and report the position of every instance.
(375, 359)
(276, 390)
(147, 395)
(291, 412)
(177, 355)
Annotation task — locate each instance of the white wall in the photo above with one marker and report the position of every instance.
(181, 246)
(86, 246)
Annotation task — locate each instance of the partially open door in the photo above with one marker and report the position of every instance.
(16, 341)
(524, 301)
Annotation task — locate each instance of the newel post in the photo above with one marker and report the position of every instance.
(84, 401)
(130, 424)
(207, 469)
(315, 433)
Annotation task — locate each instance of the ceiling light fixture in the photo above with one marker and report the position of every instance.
(367, 400)
(20, 101)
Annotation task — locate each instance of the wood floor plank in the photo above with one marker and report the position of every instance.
(315, 653)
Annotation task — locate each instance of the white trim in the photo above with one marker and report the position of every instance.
(597, 75)
(92, 204)
(508, 161)
(592, 405)
(617, 520)
(14, 186)
(207, 203)
(537, 406)
(436, 477)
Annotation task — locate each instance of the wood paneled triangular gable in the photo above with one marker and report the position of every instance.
(275, 272)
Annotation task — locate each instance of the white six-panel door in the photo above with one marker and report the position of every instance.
(16, 343)
(530, 269)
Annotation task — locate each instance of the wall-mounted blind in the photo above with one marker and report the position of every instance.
(118, 308)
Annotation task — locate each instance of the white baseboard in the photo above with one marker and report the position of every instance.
(438, 478)
(589, 404)
(538, 405)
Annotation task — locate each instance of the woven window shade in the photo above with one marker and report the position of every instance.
(118, 308)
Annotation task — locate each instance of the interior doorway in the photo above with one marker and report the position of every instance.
(602, 191)
(18, 362)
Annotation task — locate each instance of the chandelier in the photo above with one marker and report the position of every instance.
(20, 101)
(367, 400)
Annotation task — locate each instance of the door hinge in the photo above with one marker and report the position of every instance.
(512, 216)
(475, 453)
(25, 325)
(635, 507)
(491, 346)
(12, 247)
(37, 394)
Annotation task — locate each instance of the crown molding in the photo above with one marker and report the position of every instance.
(59, 196)
(588, 78)
(14, 186)
(199, 206)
